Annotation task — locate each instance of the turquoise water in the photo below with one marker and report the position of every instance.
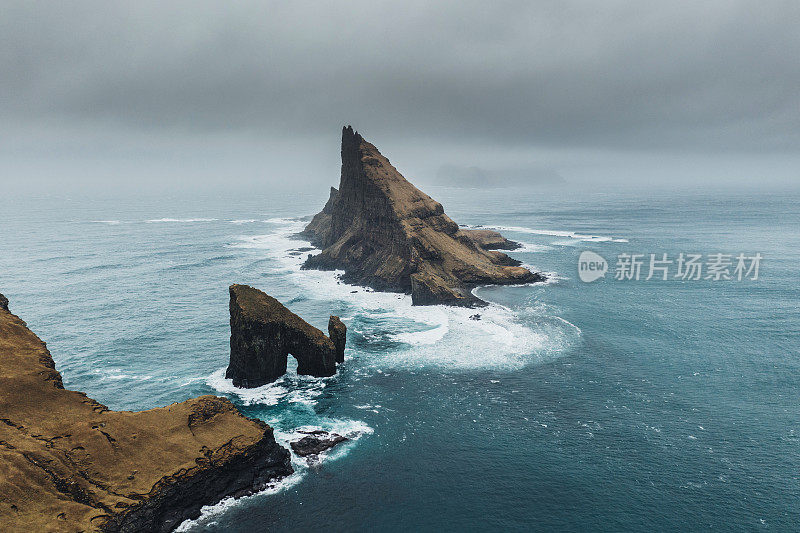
(636, 405)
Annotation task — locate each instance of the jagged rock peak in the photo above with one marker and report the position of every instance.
(387, 234)
(351, 139)
(264, 333)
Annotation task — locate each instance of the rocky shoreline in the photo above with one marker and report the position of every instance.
(71, 464)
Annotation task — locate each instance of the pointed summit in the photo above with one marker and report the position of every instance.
(350, 138)
(387, 234)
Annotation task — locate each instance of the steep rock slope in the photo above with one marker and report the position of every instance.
(264, 333)
(68, 463)
(387, 234)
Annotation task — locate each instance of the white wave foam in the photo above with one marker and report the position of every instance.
(109, 222)
(557, 233)
(567, 322)
(527, 247)
(209, 513)
(551, 278)
(239, 222)
(352, 429)
(428, 336)
(439, 336)
(499, 339)
(368, 407)
(281, 220)
(277, 240)
(156, 220)
(435, 326)
(291, 387)
(117, 374)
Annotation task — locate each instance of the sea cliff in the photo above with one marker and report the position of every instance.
(387, 234)
(71, 464)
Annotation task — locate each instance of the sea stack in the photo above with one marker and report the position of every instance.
(71, 464)
(264, 333)
(387, 234)
(337, 331)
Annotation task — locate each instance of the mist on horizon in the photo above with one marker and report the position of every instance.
(119, 97)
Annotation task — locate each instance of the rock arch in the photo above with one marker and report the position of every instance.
(264, 333)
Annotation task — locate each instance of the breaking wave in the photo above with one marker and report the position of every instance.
(388, 332)
(555, 233)
(185, 220)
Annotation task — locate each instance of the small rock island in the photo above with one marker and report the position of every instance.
(264, 333)
(315, 442)
(387, 234)
(71, 464)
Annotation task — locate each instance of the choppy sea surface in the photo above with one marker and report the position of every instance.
(613, 405)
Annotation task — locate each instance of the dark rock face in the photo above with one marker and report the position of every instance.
(71, 464)
(264, 333)
(337, 331)
(387, 234)
(181, 499)
(3, 302)
(316, 442)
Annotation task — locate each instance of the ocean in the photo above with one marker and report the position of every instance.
(624, 405)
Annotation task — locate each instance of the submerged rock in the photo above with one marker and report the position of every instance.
(71, 464)
(316, 442)
(264, 333)
(387, 234)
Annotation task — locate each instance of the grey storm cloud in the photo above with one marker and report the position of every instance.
(714, 75)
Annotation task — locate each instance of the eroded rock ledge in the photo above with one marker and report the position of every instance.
(264, 333)
(71, 464)
(387, 234)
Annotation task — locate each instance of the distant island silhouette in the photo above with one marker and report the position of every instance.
(477, 177)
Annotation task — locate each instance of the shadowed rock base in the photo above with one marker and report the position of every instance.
(68, 463)
(264, 333)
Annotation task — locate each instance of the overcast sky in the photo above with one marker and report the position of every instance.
(593, 88)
